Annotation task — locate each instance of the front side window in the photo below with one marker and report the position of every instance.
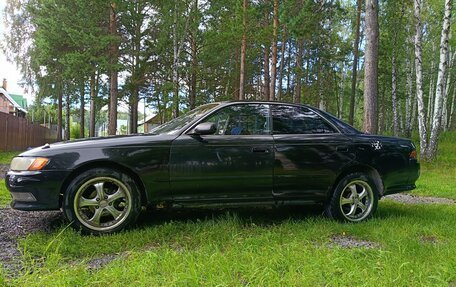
(174, 126)
(250, 119)
(298, 120)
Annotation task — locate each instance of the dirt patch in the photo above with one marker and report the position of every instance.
(414, 199)
(3, 169)
(15, 224)
(98, 263)
(346, 241)
(429, 239)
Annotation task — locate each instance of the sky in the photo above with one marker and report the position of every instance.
(8, 70)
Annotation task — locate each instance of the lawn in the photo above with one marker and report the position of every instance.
(439, 177)
(403, 245)
(6, 157)
(5, 197)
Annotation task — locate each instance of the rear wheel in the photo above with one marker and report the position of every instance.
(101, 200)
(355, 198)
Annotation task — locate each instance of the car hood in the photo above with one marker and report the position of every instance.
(99, 142)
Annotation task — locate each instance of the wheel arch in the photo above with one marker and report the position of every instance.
(104, 164)
(372, 172)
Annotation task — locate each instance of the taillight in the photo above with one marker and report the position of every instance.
(412, 154)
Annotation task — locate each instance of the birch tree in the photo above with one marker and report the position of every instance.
(438, 105)
(419, 78)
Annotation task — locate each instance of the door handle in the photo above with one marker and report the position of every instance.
(260, 149)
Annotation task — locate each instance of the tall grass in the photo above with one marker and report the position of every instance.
(438, 178)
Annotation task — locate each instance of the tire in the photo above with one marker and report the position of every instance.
(354, 199)
(101, 201)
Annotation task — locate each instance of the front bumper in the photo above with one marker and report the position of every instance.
(35, 190)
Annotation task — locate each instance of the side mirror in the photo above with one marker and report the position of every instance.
(205, 129)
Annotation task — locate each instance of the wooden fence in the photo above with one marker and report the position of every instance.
(18, 134)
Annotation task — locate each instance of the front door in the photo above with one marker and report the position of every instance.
(233, 164)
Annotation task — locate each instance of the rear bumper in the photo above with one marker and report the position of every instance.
(410, 176)
(399, 188)
(35, 190)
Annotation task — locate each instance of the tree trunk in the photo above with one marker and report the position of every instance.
(393, 90)
(243, 50)
(408, 101)
(114, 51)
(450, 121)
(59, 112)
(431, 89)
(266, 73)
(447, 91)
(82, 111)
(355, 64)
(340, 111)
(177, 47)
(382, 112)
(398, 123)
(194, 51)
(281, 66)
(275, 27)
(175, 65)
(419, 80)
(321, 96)
(67, 117)
(297, 92)
(287, 92)
(371, 68)
(134, 100)
(437, 119)
(92, 106)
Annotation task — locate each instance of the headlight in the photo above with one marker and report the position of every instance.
(28, 163)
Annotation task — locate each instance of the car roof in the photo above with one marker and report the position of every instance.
(263, 102)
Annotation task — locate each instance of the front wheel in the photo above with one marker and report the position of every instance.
(101, 201)
(354, 199)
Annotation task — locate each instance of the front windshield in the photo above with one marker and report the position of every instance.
(174, 126)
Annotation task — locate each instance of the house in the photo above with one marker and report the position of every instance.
(12, 104)
(151, 122)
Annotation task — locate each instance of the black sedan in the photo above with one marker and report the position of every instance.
(231, 153)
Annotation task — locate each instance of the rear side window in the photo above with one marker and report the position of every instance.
(298, 120)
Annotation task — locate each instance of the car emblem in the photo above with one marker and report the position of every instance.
(377, 145)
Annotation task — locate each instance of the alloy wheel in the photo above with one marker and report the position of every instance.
(102, 203)
(356, 200)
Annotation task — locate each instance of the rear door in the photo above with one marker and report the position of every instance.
(309, 153)
(235, 163)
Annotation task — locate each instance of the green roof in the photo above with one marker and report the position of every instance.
(20, 100)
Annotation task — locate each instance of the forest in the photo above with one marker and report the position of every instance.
(383, 66)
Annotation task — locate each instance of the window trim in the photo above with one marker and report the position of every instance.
(192, 126)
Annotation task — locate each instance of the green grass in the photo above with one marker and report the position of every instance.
(5, 197)
(260, 247)
(438, 178)
(416, 248)
(7, 156)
